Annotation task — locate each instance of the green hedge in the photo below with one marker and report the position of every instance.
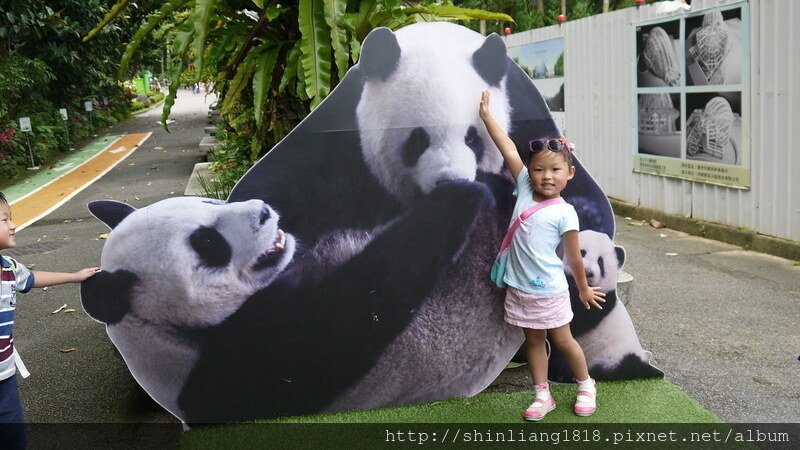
(51, 135)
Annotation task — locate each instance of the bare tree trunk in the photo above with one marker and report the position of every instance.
(539, 6)
(564, 7)
(605, 6)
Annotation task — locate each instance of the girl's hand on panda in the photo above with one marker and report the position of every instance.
(484, 107)
(590, 296)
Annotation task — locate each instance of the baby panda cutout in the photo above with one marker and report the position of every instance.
(607, 336)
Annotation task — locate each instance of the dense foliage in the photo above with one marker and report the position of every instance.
(44, 67)
(530, 14)
(270, 62)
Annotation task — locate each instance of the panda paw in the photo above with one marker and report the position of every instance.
(461, 198)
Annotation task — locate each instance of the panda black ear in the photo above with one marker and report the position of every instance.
(106, 296)
(620, 255)
(110, 212)
(490, 60)
(380, 54)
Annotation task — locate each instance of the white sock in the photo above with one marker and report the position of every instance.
(586, 385)
(542, 391)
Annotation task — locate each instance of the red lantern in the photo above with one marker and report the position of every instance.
(561, 18)
(640, 2)
(506, 30)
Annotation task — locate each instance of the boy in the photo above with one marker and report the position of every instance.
(16, 277)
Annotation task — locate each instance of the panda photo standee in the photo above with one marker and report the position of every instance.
(349, 267)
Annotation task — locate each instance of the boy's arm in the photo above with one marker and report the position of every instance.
(44, 279)
(590, 295)
(500, 138)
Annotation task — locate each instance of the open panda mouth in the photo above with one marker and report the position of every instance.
(273, 254)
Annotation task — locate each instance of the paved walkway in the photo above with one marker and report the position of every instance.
(91, 384)
(721, 322)
(53, 188)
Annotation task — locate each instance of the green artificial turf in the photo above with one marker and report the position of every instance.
(655, 401)
(641, 401)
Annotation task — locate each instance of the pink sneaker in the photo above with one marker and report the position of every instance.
(585, 403)
(538, 409)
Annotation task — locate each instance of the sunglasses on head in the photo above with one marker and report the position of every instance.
(554, 145)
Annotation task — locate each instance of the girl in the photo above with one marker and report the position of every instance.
(537, 298)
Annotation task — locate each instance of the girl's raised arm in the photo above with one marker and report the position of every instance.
(500, 138)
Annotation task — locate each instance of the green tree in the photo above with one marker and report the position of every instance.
(271, 62)
(558, 68)
(530, 14)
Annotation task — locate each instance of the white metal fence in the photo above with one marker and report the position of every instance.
(598, 83)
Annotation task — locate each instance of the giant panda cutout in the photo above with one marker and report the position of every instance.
(393, 201)
(174, 271)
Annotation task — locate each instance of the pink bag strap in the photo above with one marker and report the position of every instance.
(525, 214)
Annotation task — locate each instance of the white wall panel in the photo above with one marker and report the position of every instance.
(598, 54)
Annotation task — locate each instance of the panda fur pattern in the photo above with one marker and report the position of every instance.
(357, 224)
(174, 269)
(160, 310)
(367, 153)
(607, 336)
(352, 190)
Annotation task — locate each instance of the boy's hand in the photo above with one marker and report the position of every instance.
(590, 297)
(85, 273)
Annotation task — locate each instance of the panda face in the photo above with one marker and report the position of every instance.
(197, 260)
(419, 125)
(602, 260)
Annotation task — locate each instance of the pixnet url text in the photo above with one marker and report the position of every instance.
(461, 435)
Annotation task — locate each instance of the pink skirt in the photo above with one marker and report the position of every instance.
(538, 313)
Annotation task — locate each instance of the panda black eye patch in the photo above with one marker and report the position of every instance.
(211, 247)
(475, 143)
(416, 144)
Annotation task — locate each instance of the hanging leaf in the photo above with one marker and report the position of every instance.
(115, 10)
(202, 12)
(355, 49)
(455, 12)
(334, 11)
(181, 46)
(240, 80)
(315, 43)
(152, 21)
(290, 70)
(262, 79)
(274, 11)
(301, 80)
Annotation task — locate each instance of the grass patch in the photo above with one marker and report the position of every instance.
(634, 402)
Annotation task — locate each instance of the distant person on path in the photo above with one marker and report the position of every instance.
(15, 277)
(537, 298)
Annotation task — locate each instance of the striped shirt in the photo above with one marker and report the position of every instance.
(14, 277)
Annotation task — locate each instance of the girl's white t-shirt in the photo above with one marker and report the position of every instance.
(533, 265)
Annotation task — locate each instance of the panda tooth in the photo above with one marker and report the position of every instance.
(281, 241)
